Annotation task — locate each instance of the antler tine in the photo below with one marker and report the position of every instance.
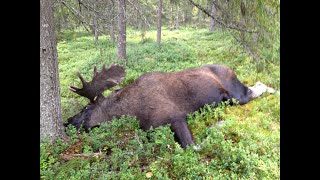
(98, 75)
(84, 83)
(104, 68)
(95, 70)
(74, 89)
(102, 80)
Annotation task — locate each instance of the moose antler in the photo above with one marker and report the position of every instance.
(105, 79)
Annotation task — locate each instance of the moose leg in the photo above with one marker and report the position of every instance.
(180, 128)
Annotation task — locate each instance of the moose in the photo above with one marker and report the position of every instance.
(159, 98)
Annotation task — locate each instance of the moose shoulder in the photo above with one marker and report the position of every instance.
(159, 98)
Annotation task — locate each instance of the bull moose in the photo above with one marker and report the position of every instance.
(159, 98)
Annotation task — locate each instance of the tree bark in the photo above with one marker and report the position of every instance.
(111, 23)
(213, 13)
(51, 126)
(159, 22)
(122, 30)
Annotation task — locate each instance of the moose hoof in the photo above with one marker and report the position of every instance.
(196, 148)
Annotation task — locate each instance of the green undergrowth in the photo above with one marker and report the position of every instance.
(237, 142)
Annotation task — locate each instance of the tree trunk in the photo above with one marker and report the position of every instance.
(171, 15)
(199, 15)
(104, 26)
(122, 30)
(183, 17)
(242, 20)
(188, 14)
(59, 22)
(159, 22)
(95, 23)
(51, 126)
(65, 24)
(177, 19)
(111, 22)
(213, 13)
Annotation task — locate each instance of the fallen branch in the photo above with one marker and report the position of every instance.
(83, 156)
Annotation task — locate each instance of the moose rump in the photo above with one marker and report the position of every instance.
(159, 98)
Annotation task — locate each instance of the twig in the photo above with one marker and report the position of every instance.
(101, 16)
(79, 17)
(141, 14)
(246, 47)
(220, 22)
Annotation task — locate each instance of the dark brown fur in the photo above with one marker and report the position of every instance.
(158, 98)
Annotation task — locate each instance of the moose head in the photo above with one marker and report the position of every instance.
(93, 90)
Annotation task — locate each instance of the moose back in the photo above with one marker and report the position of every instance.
(159, 98)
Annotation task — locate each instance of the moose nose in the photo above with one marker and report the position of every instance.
(66, 124)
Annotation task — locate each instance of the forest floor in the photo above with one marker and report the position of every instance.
(246, 146)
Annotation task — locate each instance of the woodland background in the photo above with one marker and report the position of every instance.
(160, 35)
